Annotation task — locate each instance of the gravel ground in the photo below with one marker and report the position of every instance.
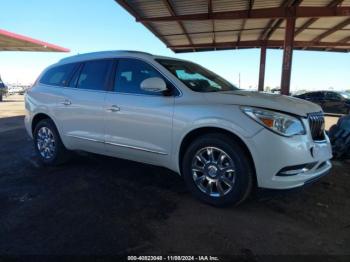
(97, 205)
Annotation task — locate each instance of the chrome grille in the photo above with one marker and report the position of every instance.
(317, 125)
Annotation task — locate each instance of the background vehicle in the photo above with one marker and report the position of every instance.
(331, 101)
(3, 89)
(16, 89)
(177, 114)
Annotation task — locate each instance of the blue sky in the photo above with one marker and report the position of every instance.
(90, 25)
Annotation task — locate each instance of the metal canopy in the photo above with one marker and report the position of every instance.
(15, 42)
(202, 25)
(205, 25)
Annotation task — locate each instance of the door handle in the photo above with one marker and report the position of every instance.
(66, 102)
(113, 108)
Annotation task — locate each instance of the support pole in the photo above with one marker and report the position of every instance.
(287, 55)
(262, 68)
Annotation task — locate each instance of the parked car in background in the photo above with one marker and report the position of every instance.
(177, 114)
(332, 102)
(3, 89)
(16, 89)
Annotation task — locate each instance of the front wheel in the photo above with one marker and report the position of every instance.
(217, 170)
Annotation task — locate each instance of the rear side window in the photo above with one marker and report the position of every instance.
(59, 75)
(94, 74)
(316, 95)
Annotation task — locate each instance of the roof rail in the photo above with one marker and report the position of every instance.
(102, 54)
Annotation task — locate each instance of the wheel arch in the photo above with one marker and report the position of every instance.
(37, 118)
(200, 131)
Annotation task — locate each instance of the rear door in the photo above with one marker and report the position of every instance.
(138, 123)
(82, 107)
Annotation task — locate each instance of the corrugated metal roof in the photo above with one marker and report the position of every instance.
(315, 3)
(185, 7)
(229, 5)
(197, 25)
(266, 4)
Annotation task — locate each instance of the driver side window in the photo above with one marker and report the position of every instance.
(130, 74)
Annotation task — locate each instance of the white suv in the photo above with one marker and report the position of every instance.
(177, 114)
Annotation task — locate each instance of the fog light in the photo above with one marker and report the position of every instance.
(296, 170)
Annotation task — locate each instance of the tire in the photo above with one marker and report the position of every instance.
(241, 179)
(56, 154)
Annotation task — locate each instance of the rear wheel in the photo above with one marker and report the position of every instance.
(48, 145)
(217, 170)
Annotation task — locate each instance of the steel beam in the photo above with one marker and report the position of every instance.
(309, 22)
(262, 68)
(332, 30)
(129, 8)
(272, 13)
(268, 32)
(344, 41)
(287, 55)
(259, 43)
(250, 6)
(172, 12)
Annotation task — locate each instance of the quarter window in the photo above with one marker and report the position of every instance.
(93, 75)
(59, 75)
(131, 73)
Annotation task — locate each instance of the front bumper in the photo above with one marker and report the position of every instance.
(273, 153)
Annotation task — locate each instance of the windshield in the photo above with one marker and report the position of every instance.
(196, 77)
(345, 95)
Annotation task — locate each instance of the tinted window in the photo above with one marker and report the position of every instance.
(333, 96)
(345, 95)
(58, 76)
(94, 75)
(196, 77)
(131, 73)
(75, 77)
(315, 95)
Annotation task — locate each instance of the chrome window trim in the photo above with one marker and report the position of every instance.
(116, 92)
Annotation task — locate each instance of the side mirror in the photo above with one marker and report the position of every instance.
(153, 84)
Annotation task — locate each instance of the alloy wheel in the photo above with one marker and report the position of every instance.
(46, 142)
(213, 171)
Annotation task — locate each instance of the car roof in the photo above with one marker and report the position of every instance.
(322, 91)
(111, 54)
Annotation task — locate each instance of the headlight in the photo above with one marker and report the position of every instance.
(280, 123)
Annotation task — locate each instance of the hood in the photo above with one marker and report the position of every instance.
(278, 102)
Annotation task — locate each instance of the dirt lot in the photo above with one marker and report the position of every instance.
(97, 205)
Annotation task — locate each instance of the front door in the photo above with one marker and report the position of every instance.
(138, 123)
(334, 103)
